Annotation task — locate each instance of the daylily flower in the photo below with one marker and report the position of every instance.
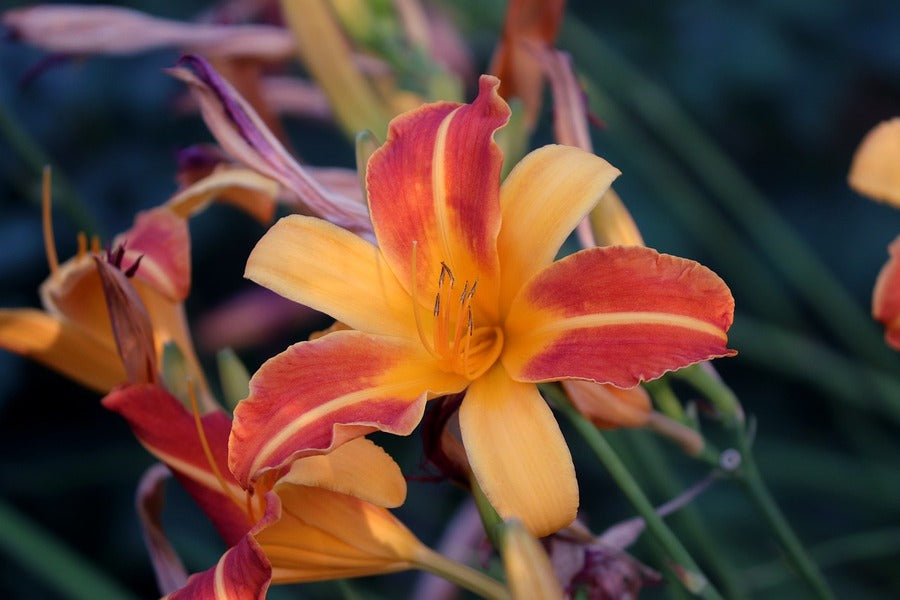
(322, 518)
(73, 334)
(875, 172)
(529, 27)
(462, 294)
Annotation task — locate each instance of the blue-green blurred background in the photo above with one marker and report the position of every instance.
(782, 89)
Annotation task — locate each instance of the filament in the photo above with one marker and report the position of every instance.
(49, 243)
(226, 489)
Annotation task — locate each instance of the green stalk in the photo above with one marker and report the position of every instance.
(51, 562)
(35, 159)
(868, 545)
(655, 465)
(657, 528)
(466, 577)
(755, 487)
(720, 394)
(803, 359)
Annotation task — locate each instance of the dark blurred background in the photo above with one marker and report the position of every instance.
(780, 90)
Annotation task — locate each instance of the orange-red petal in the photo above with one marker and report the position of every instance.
(169, 432)
(618, 314)
(886, 297)
(316, 395)
(161, 238)
(242, 573)
(435, 182)
(517, 452)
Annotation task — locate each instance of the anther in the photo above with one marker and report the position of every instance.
(133, 268)
(462, 297)
(437, 304)
(82, 244)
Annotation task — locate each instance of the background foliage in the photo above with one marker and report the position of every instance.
(734, 124)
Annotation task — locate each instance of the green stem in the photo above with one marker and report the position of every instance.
(708, 382)
(53, 563)
(802, 358)
(35, 159)
(693, 579)
(666, 400)
(868, 545)
(753, 483)
(658, 470)
(466, 577)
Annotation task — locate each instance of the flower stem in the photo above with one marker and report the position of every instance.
(466, 577)
(756, 488)
(694, 580)
(705, 379)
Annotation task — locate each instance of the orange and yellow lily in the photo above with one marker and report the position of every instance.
(73, 334)
(323, 517)
(875, 172)
(462, 294)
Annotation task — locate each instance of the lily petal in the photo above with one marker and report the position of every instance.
(434, 182)
(607, 406)
(130, 322)
(63, 346)
(518, 453)
(535, 221)
(638, 315)
(243, 134)
(112, 30)
(149, 502)
(886, 297)
(162, 239)
(317, 395)
(358, 468)
(169, 432)
(529, 27)
(246, 189)
(875, 170)
(243, 572)
(324, 535)
(322, 266)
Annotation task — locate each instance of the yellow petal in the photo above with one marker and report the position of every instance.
(62, 346)
(246, 189)
(332, 270)
(528, 569)
(542, 200)
(358, 468)
(518, 453)
(875, 170)
(324, 535)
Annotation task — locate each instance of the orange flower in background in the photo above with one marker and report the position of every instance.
(321, 518)
(875, 172)
(462, 294)
(73, 333)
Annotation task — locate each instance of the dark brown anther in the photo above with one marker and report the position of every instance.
(133, 268)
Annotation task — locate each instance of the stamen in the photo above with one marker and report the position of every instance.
(95, 244)
(82, 244)
(133, 268)
(226, 489)
(415, 298)
(49, 243)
